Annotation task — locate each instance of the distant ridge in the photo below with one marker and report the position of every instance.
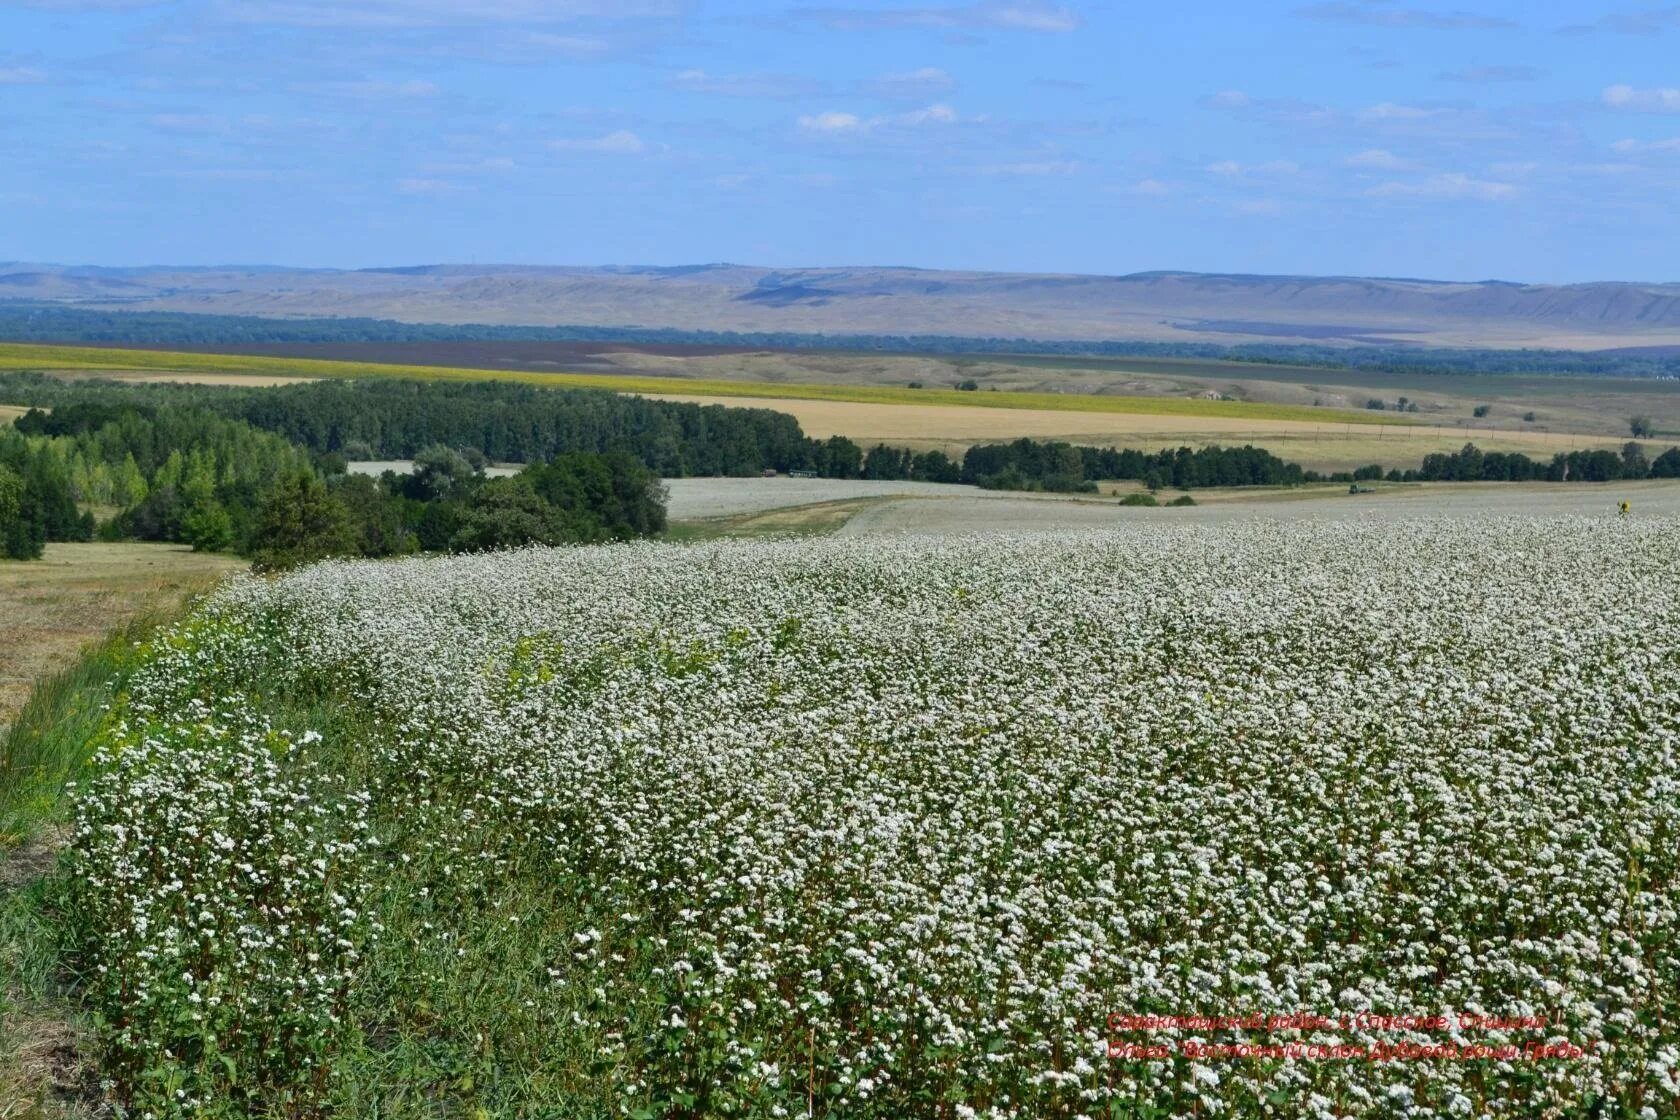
(1163, 305)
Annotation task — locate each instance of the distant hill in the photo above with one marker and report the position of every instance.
(1146, 306)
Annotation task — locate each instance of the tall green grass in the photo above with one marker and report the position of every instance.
(46, 747)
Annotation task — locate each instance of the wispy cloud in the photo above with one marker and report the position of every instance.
(1033, 169)
(1277, 110)
(1375, 13)
(1024, 15)
(370, 90)
(1633, 146)
(1650, 21)
(1489, 75)
(1448, 186)
(832, 123)
(426, 186)
(620, 143)
(1389, 111)
(1231, 169)
(21, 76)
(835, 123)
(436, 13)
(773, 86)
(913, 85)
(1376, 159)
(1664, 99)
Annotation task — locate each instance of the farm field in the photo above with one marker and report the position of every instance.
(78, 593)
(1013, 512)
(1324, 443)
(166, 365)
(893, 827)
(1319, 425)
(1591, 405)
(691, 498)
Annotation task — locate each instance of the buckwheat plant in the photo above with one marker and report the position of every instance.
(885, 828)
(221, 896)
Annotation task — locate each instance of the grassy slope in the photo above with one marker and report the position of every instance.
(34, 357)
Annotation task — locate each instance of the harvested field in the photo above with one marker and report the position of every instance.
(1325, 444)
(187, 377)
(78, 593)
(1404, 502)
(696, 498)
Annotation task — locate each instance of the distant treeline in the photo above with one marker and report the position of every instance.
(262, 471)
(1028, 464)
(35, 322)
(503, 421)
(169, 471)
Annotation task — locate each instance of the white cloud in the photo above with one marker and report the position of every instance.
(911, 85)
(1384, 15)
(1451, 185)
(371, 90)
(837, 124)
(1665, 99)
(1231, 169)
(1152, 187)
(1670, 145)
(778, 86)
(620, 143)
(1033, 169)
(1002, 15)
(21, 76)
(1227, 99)
(1389, 111)
(436, 13)
(425, 186)
(933, 114)
(1487, 75)
(199, 123)
(1375, 158)
(832, 122)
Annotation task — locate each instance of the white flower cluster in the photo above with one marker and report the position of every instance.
(220, 892)
(891, 828)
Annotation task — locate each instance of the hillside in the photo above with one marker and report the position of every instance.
(1158, 306)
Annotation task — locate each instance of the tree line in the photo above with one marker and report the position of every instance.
(184, 473)
(37, 322)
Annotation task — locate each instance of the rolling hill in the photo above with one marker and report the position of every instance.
(1155, 306)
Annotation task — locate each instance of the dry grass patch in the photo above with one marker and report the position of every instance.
(51, 608)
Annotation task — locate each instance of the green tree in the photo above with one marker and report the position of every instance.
(208, 528)
(300, 521)
(22, 537)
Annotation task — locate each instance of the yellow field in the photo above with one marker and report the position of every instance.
(18, 356)
(10, 412)
(1317, 445)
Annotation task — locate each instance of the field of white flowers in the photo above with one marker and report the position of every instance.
(892, 828)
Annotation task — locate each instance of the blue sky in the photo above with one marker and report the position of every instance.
(1518, 140)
